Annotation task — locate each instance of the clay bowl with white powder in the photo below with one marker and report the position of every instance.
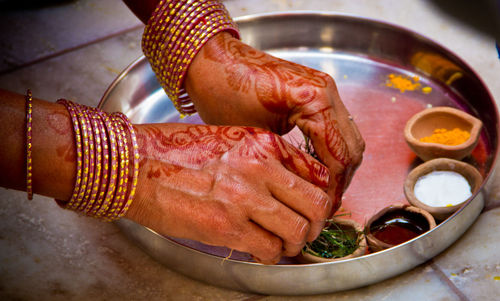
(441, 186)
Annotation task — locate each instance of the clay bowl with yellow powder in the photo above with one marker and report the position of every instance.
(442, 132)
(469, 172)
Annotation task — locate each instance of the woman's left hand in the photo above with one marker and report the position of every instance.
(240, 187)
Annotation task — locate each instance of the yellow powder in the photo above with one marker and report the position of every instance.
(402, 83)
(405, 83)
(427, 90)
(444, 136)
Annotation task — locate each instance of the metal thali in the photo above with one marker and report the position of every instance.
(359, 53)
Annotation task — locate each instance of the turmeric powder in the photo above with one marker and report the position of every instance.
(444, 136)
(402, 83)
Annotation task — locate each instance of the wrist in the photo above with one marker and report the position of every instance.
(174, 35)
(54, 165)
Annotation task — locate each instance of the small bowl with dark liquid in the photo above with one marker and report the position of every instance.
(395, 225)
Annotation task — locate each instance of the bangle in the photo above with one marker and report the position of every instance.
(113, 169)
(90, 157)
(79, 161)
(175, 33)
(180, 29)
(29, 160)
(107, 162)
(100, 161)
(123, 167)
(135, 161)
(86, 173)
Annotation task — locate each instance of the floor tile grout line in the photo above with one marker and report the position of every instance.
(448, 282)
(70, 49)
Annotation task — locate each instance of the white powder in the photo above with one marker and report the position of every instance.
(442, 188)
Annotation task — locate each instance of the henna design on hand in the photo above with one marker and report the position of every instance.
(280, 85)
(285, 88)
(54, 121)
(67, 152)
(196, 145)
(335, 142)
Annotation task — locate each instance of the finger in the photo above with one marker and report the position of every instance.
(302, 197)
(351, 133)
(332, 150)
(336, 145)
(303, 164)
(346, 120)
(263, 245)
(273, 216)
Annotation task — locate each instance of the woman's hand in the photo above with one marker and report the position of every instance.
(240, 187)
(233, 83)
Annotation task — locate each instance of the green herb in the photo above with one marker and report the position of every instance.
(333, 242)
(309, 148)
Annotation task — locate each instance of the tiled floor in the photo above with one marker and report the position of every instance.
(75, 50)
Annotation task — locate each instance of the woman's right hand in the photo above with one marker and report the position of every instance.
(254, 88)
(240, 187)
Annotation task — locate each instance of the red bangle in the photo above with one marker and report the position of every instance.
(104, 155)
(135, 162)
(107, 162)
(113, 169)
(202, 35)
(187, 38)
(29, 138)
(89, 158)
(172, 38)
(79, 156)
(85, 157)
(92, 158)
(123, 167)
(178, 32)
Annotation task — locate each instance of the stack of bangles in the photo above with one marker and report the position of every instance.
(107, 161)
(175, 33)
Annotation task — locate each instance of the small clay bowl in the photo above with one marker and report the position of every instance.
(420, 218)
(344, 224)
(470, 173)
(425, 122)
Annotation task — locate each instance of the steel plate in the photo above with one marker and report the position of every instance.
(359, 53)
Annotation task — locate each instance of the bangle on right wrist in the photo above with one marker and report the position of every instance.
(175, 33)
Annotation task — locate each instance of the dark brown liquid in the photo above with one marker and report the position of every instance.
(398, 226)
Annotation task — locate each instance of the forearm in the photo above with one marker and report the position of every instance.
(229, 97)
(53, 148)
